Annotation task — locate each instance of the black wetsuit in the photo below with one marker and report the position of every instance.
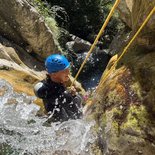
(58, 101)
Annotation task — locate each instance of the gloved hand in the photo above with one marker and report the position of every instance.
(72, 90)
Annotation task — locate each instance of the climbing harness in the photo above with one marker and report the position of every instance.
(97, 38)
(126, 48)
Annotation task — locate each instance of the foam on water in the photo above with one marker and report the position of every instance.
(24, 133)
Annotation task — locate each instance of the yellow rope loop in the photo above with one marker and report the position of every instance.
(126, 48)
(97, 38)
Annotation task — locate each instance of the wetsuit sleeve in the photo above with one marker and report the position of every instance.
(41, 90)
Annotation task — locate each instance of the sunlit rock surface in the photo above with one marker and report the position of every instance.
(19, 68)
(21, 23)
(24, 39)
(125, 110)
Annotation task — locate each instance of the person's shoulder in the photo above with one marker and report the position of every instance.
(41, 89)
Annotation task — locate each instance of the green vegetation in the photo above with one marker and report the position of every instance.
(81, 18)
(85, 18)
(137, 120)
(44, 9)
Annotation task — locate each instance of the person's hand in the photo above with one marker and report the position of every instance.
(86, 97)
(72, 90)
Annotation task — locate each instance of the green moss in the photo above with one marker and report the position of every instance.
(143, 116)
(131, 123)
(117, 112)
(103, 120)
(136, 118)
(113, 98)
(116, 127)
(53, 26)
(137, 89)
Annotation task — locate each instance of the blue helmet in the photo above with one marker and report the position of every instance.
(55, 63)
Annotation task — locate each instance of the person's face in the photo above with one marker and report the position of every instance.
(62, 76)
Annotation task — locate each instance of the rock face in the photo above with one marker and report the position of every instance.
(125, 108)
(134, 13)
(23, 35)
(24, 38)
(18, 68)
(21, 23)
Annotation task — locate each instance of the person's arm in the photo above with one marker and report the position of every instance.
(41, 90)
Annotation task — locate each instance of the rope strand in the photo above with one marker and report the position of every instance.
(126, 48)
(97, 38)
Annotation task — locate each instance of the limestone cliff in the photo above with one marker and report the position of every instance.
(125, 110)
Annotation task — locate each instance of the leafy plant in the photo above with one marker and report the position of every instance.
(84, 18)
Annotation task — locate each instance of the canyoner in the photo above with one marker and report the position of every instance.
(23, 132)
(60, 103)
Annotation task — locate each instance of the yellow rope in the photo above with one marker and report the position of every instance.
(96, 40)
(126, 48)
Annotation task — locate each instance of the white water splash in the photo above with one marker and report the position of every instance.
(23, 133)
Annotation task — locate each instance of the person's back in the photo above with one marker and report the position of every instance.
(60, 103)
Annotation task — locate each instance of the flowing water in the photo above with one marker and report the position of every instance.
(92, 70)
(22, 132)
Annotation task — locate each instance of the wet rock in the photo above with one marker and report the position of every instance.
(79, 45)
(130, 85)
(125, 11)
(23, 25)
(134, 13)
